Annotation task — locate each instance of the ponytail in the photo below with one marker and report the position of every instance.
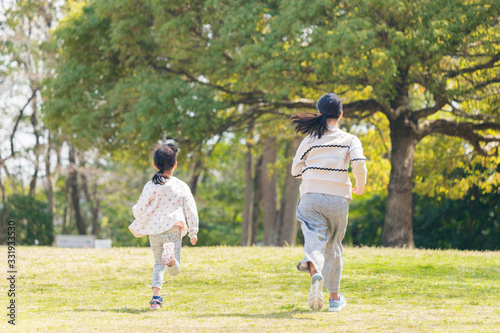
(308, 123)
(159, 178)
(329, 106)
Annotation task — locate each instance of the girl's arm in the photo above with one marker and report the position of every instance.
(190, 212)
(144, 200)
(358, 164)
(298, 162)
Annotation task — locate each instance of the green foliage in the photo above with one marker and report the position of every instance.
(220, 196)
(366, 218)
(467, 223)
(114, 223)
(33, 220)
(121, 193)
(113, 87)
(220, 200)
(374, 136)
(446, 168)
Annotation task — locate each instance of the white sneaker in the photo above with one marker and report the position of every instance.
(336, 306)
(168, 255)
(315, 297)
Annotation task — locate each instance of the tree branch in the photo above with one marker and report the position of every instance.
(488, 64)
(460, 113)
(464, 130)
(423, 113)
(12, 152)
(485, 126)
(193, 79)
(249, 98)
(487, 83)
(357, 109)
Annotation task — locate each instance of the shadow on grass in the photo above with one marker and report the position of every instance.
(122, 310)
(273, 315)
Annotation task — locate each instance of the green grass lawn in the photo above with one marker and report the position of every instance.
(253, 289)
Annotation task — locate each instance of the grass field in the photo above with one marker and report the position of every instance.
(253, 290)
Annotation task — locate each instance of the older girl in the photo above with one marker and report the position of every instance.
(322, 161)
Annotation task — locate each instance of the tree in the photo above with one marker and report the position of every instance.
(25, 61)
(215, 66)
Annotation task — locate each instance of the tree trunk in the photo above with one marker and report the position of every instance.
(36, 149)
(66, 219)
(84, 181)
(194, 179)
(269, 193)
(95, 217)
(198, 166)
(95, 208)
(288, 221)
(257, 191)
(246, 230)
(49, 187)
(75, 194)
(398, 224)
(474, 197)
(3, 221)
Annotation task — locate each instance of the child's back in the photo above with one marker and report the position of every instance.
(160, 207)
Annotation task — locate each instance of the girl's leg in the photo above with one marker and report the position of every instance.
(314, 228)
(156, 243)
(337, 225)
(174, 235)
(312, 269)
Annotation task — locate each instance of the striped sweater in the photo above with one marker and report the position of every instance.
(323, 163)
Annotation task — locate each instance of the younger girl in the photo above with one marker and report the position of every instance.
(165, 206)
(322, 161)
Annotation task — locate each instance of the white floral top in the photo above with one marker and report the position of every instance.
(160, 207)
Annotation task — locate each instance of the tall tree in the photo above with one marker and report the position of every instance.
(269, 189)
(248, 211)
(287, 220)
(74, 189)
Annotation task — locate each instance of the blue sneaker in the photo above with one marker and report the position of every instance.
(315, 298)
(336, 306)
(156, 303)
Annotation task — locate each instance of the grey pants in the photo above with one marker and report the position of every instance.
(323, 219)
(171, 235)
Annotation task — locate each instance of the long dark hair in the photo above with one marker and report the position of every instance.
(164, 157)
(329, 105)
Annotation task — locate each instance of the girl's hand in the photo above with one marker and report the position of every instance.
(358, 190)
(193, 241)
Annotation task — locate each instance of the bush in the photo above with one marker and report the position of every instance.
(34, 223)
(471, 223)
(366, 218)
